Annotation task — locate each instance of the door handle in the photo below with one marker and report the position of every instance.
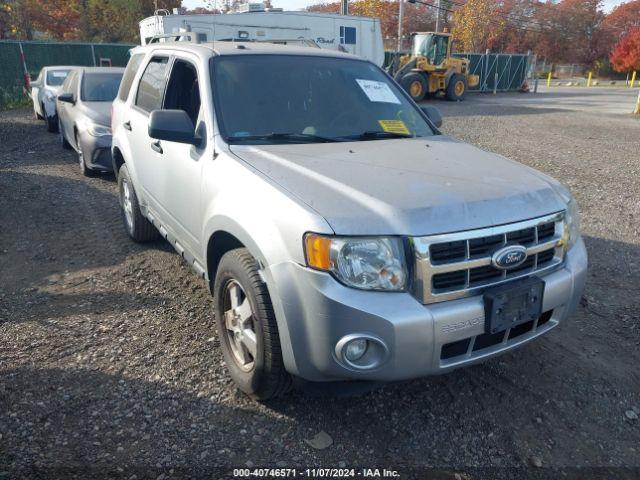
(156, 146)
(127, 125)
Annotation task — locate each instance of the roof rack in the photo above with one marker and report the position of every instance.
(175, 37)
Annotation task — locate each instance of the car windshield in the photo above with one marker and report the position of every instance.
(265, 99)
(100, 87)
(55, 78)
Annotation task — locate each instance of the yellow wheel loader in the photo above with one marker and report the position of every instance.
(430, 69)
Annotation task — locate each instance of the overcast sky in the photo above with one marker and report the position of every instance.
(298, 4)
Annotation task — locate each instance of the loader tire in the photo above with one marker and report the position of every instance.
(416, 85)
(457, 88)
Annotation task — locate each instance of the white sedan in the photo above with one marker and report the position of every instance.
(44, 91)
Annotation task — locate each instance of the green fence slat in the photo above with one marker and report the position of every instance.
(42, 54)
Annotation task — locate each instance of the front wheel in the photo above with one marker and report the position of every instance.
(63, 141)
(139, 228)
(84, 170)
(52, 123)
(457, 88)
(247, 327)
(416, 85)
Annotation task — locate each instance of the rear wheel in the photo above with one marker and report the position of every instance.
(137, 226)
(457, 88)
(415, 85)
(247, 327)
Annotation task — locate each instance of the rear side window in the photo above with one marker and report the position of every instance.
(55, 78)
(152, 83)
(129, 75)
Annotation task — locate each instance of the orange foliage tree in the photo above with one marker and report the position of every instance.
(102, 20)
(626, 54)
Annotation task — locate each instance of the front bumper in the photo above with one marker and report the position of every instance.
(314, 312)
(97, 151)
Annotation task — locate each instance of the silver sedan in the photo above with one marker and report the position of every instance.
(84, 115)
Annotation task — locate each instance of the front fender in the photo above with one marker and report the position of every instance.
(266, 219)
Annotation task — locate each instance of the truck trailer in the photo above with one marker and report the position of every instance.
(360, 36)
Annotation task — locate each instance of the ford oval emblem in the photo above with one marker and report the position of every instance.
(508, 257)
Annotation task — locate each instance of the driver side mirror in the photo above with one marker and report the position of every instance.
(434, 115)
(172, 126)
(67, 98)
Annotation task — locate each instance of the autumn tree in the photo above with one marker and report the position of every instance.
(626, 54)
(417, 17)
(623, 18)
(6, 27)
(475, 24)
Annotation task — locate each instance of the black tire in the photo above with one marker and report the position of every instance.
(416, 85)
(139, 228)
(52, 124)
(84, 170)
(63, 141)
(266, 377)
(457, 88)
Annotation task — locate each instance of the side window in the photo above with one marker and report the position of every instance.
(183, 89)
(129, 75)
(151, 87)
(348, 35)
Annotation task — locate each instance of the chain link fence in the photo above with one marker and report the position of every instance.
(42, 54)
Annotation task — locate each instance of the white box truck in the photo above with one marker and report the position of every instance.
(358, 35)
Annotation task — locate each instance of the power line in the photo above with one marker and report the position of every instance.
(510, 16)
(490, 20)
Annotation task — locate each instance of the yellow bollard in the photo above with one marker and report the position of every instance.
(549, 80)
(637, 110)
(589, 81)
(633, 79)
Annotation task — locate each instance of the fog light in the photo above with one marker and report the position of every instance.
(355, 349)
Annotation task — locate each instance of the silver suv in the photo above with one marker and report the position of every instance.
(342, 235)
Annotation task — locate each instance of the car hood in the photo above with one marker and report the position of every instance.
(419, 186)
(98, 112)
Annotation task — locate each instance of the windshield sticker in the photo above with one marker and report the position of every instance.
(377, 91)
(394, 126)
(59, 74)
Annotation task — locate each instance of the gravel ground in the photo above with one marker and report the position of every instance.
(110, 365)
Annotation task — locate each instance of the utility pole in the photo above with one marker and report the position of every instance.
(400, 15)
(438, 17)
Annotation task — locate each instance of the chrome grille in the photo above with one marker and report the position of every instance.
(459, 264)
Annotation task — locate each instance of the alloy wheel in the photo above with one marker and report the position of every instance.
(239, 325)
(127, 204)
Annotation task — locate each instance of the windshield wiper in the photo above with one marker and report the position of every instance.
(374, 134)
(305, 137)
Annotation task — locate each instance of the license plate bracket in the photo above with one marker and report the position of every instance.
(508, 306)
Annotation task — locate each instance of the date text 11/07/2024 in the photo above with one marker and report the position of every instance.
(316, 473)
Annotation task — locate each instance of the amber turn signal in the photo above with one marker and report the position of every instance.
(318, 251)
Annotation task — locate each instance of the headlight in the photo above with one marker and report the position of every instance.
(98, 130)
(572, 223)
(368, 263)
